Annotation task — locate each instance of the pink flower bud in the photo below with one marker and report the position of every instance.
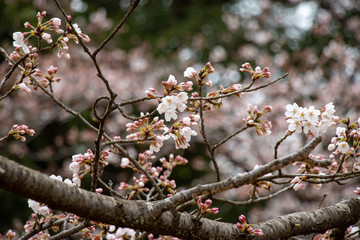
(56, 21)
(258, 232)
(52, 70)
(28, 25)
(208, 202)
(242, 219)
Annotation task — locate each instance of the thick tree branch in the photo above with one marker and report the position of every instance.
(340, 215)
(154, 217)
(141, 215)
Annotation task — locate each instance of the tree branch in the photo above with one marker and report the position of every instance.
(340, 215)
(142, 215)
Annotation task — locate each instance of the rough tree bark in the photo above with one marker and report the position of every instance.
(160, 216)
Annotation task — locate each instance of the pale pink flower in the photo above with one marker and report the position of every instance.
(74, 167)
(313, 114)
(47, 37)
(330, 109)
(125, 162)
(331, 147)
(187, 132)
(169, 105)
(185, 86)
(19, 41)
(38, 208)
(187, 121)
(10, 235)
(171, 80)
(28, 25)
(76, 180)
(291, 110)
(343, 147)
(56, 21)
(257, 71)
(298, 183)
(151, 93)
(58, 178)
(156, 144)
(341, 132)
(83, 36)
(170, 114)
(294, 125)
(190, 72)
(181, 100)
(22, 86)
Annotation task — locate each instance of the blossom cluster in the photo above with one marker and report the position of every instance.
(147, 131)
(306, 168)
(346, 145)
(181, 131)
(120, 233)
(9, 235)
(170, 104)
(50, 77)
(257, 73)
(85, 160)
(160, 174)
(216, 99)
(205, 207)
(350, 234)
(246, 228)
(253, 119)
(339, 143)
(310, 120)
(17, 132)
(138, 187)
(43, 30)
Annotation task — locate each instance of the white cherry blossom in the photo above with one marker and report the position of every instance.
(19, 41)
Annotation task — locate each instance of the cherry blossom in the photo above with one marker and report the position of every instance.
(190, 72)
(151, 93)
(310, 120)
(38, 208)
(22, 86)
(169, 105)
(343, 147)
(56, 21)
(257, 73)
(18, 131)
(121, 234)
(47, 37)
(19, 41)
(298, 183)
(83, 36)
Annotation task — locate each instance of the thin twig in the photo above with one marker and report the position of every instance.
(253, 200)
(70, 231)
(229, 137)
(13, 67)
(127, 15)
(238, 91)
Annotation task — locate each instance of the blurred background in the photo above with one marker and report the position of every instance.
(316, 42)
